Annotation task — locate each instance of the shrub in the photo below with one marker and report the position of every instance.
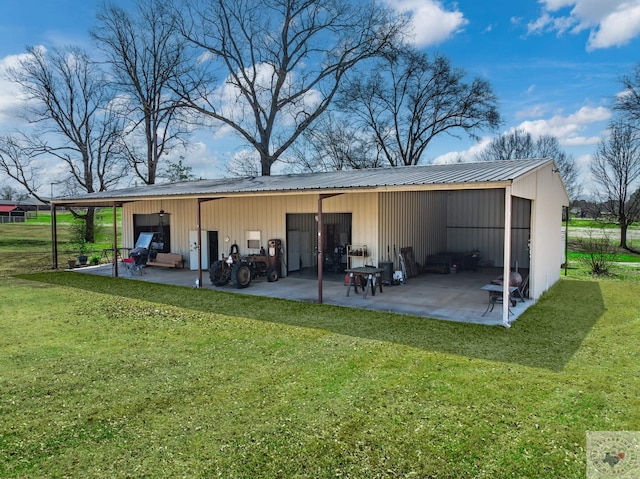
(598, 252)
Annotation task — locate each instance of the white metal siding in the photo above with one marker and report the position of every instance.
(525, 187)
(546, 231)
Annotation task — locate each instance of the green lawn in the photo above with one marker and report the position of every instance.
(27, 246)
(105, 377)
(596, 224)
(615, 257)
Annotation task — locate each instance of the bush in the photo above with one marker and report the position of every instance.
(598, 252)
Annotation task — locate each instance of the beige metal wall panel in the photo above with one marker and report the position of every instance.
(128, 210)
(232, 217)
(180, 214)
(416, 219)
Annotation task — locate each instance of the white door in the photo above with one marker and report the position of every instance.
(193, 249)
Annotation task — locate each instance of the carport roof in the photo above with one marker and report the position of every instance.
(460, 174)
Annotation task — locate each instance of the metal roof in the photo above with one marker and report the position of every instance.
(9, 208)
(501, 172)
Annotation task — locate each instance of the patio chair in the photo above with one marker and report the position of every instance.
(522, 286)
(135, 263)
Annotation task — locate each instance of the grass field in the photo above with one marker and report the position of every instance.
(26, 247)
(107, 377)
(597, 224)
(194, 383)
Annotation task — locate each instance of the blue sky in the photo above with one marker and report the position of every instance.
(554, 64)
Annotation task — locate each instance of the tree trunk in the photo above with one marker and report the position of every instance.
(265, 163)
(623, 235)
(90, 226)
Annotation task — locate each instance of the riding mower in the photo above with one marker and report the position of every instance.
(240, 270)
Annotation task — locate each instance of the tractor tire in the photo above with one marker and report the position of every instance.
(241, 274)
(272, 275)
(219, 273)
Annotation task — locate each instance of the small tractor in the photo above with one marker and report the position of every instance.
(240, 270)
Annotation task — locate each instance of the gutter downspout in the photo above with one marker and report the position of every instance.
(506, 272)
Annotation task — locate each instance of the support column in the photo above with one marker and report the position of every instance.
(199, 242)
(320, 252)
(54, 237)
(506, 272)
(114, 264)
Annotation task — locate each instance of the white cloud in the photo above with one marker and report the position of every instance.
(535, 111)
(431, 22)
(570, 131)
(616, 29)
(464, 156)
(583, 161)
(568, 128)
(610, 22)
(11, 98)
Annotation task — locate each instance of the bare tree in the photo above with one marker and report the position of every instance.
(518, 144)
(245, 163)
(282, 61)
(334, 144)
(548, 146)
(628, 101)
(68, 102)
(8, 192)
(21, 165)
(615, 167)
(412, 98)
(147, 58)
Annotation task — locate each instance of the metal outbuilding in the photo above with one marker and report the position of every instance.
(11, 213)
(510, 211)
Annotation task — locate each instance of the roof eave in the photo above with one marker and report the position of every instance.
(107, 202)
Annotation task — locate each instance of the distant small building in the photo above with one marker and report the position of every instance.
(12, 214)
(28, 206)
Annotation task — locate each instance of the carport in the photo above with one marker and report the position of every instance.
(510, 210)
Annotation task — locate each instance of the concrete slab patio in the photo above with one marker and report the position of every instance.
(453, 297)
